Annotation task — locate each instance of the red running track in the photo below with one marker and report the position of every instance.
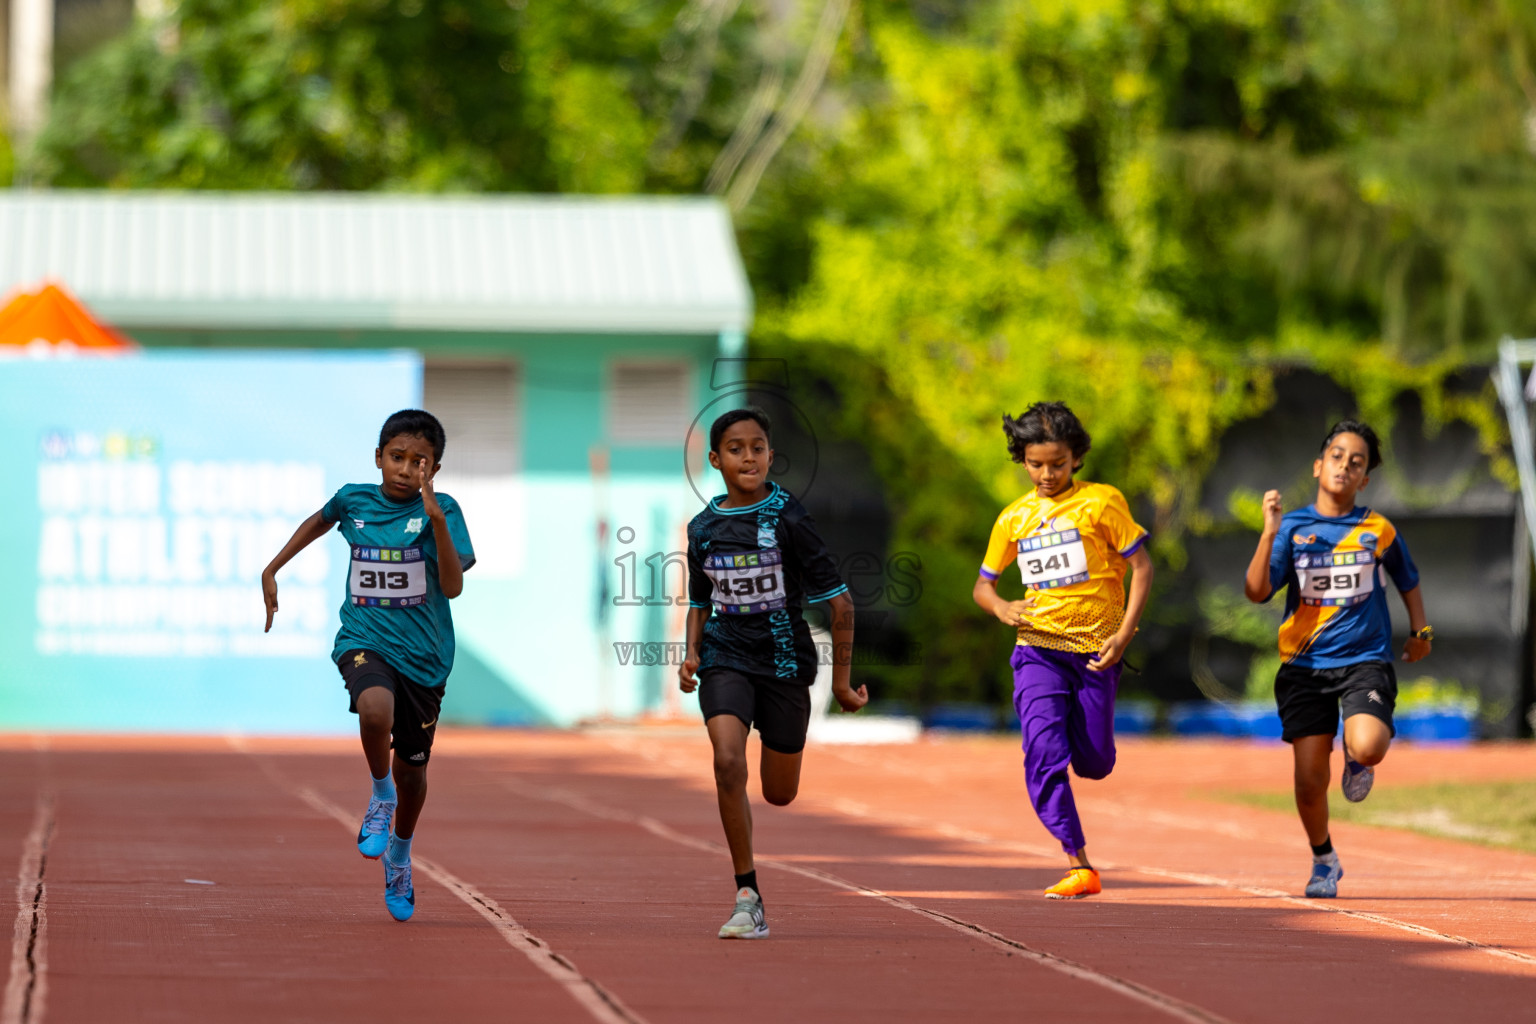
(581, 877)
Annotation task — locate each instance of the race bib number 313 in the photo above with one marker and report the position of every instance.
(387, 577)
(747, 582)
(1050, 560)
(1339, 579)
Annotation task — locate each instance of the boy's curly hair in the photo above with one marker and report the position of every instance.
(1043, 423)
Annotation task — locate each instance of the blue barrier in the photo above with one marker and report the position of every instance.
(1135, 717)
(1247, 720)
(961, 717)
(1438, 725)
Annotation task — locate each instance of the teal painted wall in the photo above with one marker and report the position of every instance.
(535, 647)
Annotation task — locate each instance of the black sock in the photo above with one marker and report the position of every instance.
(749, 881)
(1324, 848)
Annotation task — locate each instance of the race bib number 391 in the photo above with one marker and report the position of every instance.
(747, 582)
(387, 577)
(1338, 579)
(1050, 560)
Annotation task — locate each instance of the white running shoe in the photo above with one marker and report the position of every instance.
(1357, 780)
(1324, 883)
(746, 921)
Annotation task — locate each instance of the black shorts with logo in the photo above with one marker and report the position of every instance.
(1309, 698)
(780, 708)
(416, 706)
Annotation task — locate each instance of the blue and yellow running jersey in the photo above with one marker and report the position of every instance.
(1336, 610)
(1071, 551)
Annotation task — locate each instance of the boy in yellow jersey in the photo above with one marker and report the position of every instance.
(1073, 541)
(1336, 641)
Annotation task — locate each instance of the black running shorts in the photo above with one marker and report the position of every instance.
(780, 708)
(1309, 698)
(416, 706)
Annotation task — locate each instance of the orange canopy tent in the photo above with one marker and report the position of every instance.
(52, 320)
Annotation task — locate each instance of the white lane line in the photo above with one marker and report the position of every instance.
(1184, 821)
(597, 1001)
(26, 988)
(854, 809)
(1152, 998)
(1328, 906)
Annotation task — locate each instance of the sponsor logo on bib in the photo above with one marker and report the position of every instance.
(1055, 559)
(387, 577)
(747, 582)
(1336, 580)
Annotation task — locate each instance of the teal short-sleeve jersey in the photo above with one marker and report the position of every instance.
(394, 603)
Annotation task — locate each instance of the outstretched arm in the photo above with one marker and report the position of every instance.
(687, 681)
(1256, 584)
(1417, 647)
(1136, 603)
(847, 697)
(309, 531)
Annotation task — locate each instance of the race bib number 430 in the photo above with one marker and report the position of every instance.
(387, 577)
(1339, 579)
(748, 582)
(1050, 560)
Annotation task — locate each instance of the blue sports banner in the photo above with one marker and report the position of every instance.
(147, 493)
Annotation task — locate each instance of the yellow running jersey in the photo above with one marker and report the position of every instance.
(1071, 553)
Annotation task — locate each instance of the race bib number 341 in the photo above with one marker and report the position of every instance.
(747, 582)
(1339, 579)
(1050, 560)
(387, 577)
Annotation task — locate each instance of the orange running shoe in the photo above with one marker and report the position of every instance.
(1079, 882)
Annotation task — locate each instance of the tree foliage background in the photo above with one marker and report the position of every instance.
(949, 208)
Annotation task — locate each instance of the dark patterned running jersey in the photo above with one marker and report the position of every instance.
(755, 567)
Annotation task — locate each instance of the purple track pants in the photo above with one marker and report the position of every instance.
(1067, 716)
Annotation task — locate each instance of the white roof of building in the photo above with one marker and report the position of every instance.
(371, 260)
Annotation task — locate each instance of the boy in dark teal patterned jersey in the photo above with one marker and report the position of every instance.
(409, 551)
(754, 557)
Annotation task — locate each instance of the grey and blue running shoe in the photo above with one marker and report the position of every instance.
(746, 920)
(399, 893)
(374, 835)
(1357, 780)
(1324, 883)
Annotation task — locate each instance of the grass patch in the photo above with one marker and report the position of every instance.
(1501, 814)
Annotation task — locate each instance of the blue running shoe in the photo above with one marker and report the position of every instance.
(399, 893)
(374, 835)
(1324, 883)
(1357, 780)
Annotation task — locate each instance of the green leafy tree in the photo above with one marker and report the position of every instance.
(1122, 206)
(578, 96)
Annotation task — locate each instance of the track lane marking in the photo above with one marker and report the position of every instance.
(602, 1005)
(1149, 997)
(851, 809)
(26, 987)
(596, 1000)
(854, 809)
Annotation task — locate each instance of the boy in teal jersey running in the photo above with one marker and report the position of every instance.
(410, 549)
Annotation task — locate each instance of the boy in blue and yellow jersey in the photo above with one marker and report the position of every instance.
(1336, 640)
(409, 549)
(754, 557)
(1073, 542)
